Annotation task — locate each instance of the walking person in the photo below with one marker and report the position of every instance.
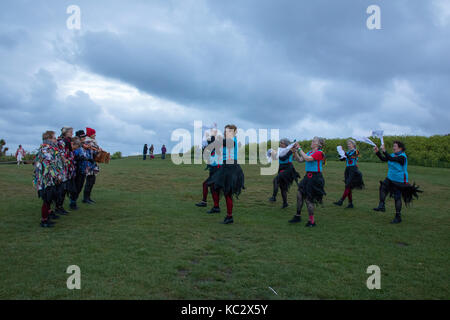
(20, 154)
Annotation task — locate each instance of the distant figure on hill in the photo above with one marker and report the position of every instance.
(145, 151)
(151, 152)
(163, 152)
(20, 153)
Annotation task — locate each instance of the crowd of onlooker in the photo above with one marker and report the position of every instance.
(150, 151)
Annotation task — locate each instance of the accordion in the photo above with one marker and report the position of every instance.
(102, 157)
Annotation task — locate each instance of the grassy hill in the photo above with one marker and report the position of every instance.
(145, 239)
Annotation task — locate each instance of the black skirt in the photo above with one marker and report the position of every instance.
(312, 187)
(228, 179)
(406, 190)
(286, 176)
(212, 170)
(353, 178)
(48, 194)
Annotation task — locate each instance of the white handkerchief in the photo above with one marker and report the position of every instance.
(341, 152)
(365, 140)
(378, 134)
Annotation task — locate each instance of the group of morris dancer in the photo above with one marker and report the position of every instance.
(62, 166)
(226, 175)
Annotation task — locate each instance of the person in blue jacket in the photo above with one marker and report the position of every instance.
(396, 183)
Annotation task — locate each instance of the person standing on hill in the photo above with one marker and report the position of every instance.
(20, 153)
(163, 152)
(353, 177)
(152, 148)
(145, 151)
(396, 183)
(311, 188)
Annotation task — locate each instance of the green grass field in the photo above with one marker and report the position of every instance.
(145, 239)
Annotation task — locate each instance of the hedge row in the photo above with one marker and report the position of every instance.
(431, 151)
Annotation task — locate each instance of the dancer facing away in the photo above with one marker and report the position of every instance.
(47, 175)
(396, 184)
(311, 188)
(229, 178)
(20, 153)
(212, 167)
(286, 173)
(353, 177)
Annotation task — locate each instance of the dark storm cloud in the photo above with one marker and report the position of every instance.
(264, 58)
(258, 63)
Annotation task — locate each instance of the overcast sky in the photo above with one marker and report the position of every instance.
(137, 70)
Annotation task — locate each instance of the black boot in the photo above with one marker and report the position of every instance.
(295, 219)
(310, 225)
(397, 219)
(285, 205)
(53, 216)
(61, 211)
(350, 205)
(228, 220)
(272, 199)
(339, 203)
(73, 205)
(214, 210)
(47, 224)
(201, 204)
(380, 207)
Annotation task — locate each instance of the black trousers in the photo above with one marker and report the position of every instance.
(90, 181)
(79, 183)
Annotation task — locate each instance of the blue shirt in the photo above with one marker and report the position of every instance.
(396, 171)
(351, 162)
(316, 165)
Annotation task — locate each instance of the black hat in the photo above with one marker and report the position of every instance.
(80, 133)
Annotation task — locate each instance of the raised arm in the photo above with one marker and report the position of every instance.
(398, 159)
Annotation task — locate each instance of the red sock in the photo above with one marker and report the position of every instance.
(205, 191)
(346, 193)
(215, 196)
(45, 209)
(311, 219)
(229, 201)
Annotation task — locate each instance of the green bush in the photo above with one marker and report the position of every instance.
(116, 155)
